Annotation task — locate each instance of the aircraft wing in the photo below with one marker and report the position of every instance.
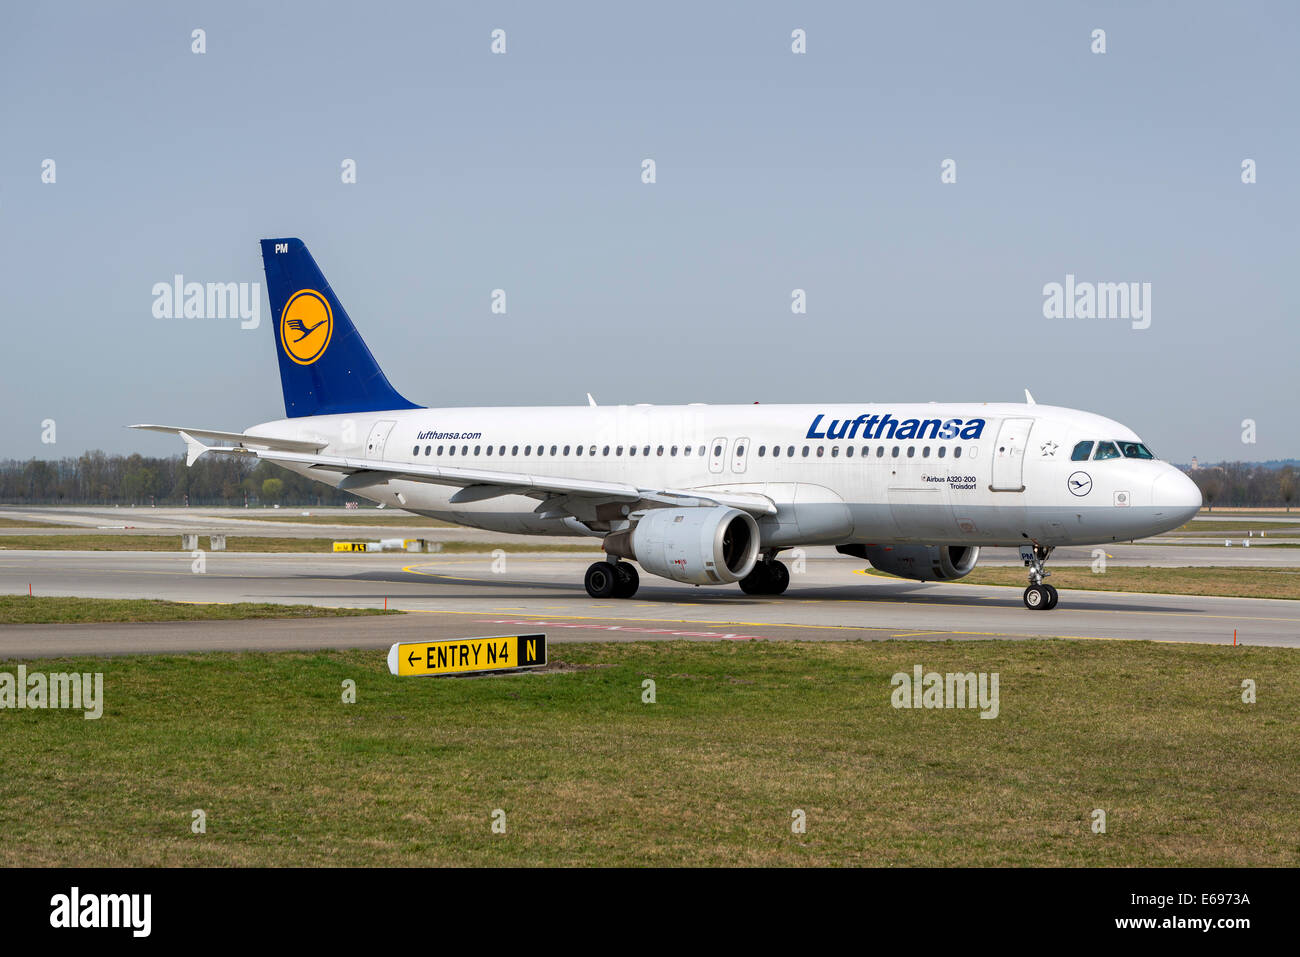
(479, 484)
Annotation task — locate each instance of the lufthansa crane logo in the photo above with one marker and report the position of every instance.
(1080, 483)
(305, 326)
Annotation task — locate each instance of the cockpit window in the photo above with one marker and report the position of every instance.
(1135, 450)
(1106, 450)
(1081, 452)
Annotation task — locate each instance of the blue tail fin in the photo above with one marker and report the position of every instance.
(325, 367)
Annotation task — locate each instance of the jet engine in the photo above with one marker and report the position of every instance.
(922, 563)
(705, 545)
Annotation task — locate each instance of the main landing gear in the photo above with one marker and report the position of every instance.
(769, 577)
(612, 579)
(1038, 596)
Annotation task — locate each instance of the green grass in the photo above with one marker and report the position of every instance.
(40, 610)
(1230, 582)
(370, 517)
(30, 523)
(1207, 527)
(248, 543)
(741, 735)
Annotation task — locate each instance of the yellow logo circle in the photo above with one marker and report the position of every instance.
(305, 326)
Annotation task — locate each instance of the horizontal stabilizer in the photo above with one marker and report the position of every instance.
(238, 438)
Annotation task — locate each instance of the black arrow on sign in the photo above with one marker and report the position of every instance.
(410, 659)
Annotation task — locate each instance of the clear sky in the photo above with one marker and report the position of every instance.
(775, 171)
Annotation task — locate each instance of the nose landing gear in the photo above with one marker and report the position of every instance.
(1038, 596)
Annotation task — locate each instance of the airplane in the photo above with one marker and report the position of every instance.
(705, 494)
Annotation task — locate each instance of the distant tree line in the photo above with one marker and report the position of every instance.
(1246, 484)
(99, 479)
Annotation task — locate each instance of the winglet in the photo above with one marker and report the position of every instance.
(194, 449)
(1029, 398)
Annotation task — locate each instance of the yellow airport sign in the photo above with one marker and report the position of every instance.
(458, 656)
(349, 546)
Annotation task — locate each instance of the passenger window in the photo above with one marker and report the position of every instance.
(848, 453)
(821, 450)
(605, 450)
(553, 449)
(925, 452)
(943, 450)
(1081, 452)
(1106, 450)
(673, 450)
(880, 451)
(514, 450)
(894, 452)
(789, 452)
(415, 451)
(477, 449)
(647, 450)
(577, 450)
(687, 450)
(440, 450)
(805, 451)
(717, 451)
(762, 451)
(489, 450)
(619, 450)
(661, 450)
(740, 450)
(956, 453)
(451, 450)
(776, 451)
(911, 451)
(631, 450)
(566, 449)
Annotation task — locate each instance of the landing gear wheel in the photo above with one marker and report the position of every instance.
(1053, 596)
(600, 580)
(758, 581)
(767, 578)
(626, 580)
(780, 578)
(1035, 597)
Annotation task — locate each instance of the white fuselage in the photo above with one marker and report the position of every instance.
(1003, 475)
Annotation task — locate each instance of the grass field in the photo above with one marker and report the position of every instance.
(368, 517)
(29, 523)
(248, 543)
(741, 735)
(1273, 528)
(1231, 582)
(42, 610)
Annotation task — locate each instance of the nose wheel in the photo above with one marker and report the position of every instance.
(1038, 596)
(1041, 597)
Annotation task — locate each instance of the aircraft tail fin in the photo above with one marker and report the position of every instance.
(325, 366)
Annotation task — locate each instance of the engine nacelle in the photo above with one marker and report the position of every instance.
(922, 563)
(707, 545)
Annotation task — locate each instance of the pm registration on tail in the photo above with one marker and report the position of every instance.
(458, 656)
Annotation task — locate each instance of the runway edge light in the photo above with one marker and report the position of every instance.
(462, 656)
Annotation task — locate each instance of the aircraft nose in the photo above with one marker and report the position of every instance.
(1176, 492)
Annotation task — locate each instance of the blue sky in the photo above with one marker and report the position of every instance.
(775, 171)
